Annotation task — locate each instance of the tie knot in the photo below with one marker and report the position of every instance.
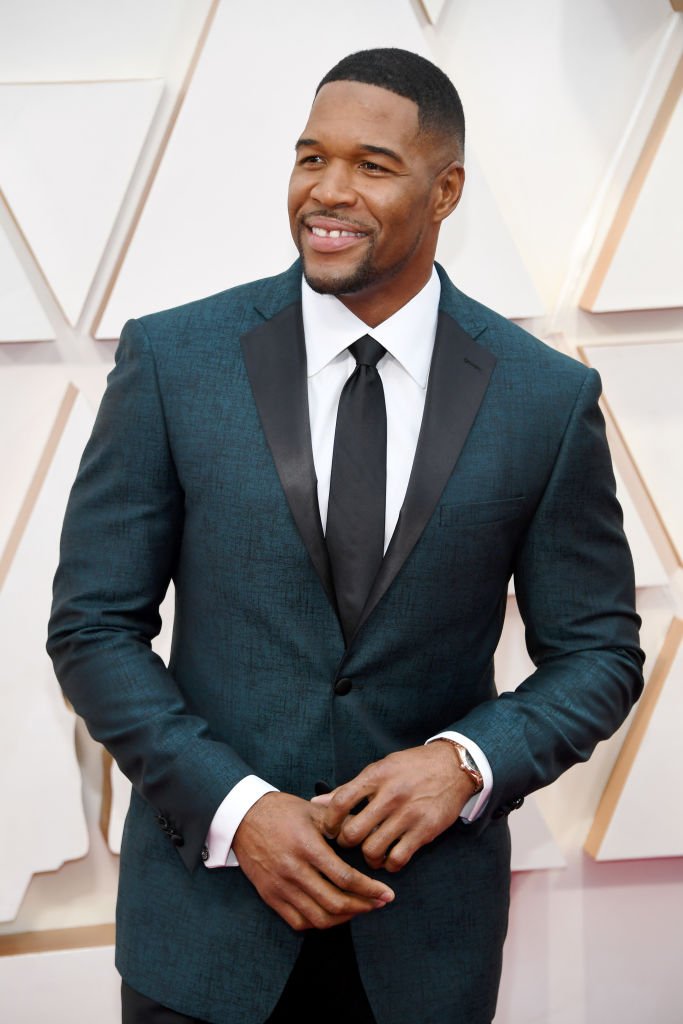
(366, 351)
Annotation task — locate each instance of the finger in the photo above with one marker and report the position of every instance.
(321, 902)
(356, 828)
(349, 880)
(344, 799)
(334, 901)
(394, 843)
(302, 890)
(306, 899)
(309, 914)
(376, 847)
(401, 853)
(319, 812)
(291, 916)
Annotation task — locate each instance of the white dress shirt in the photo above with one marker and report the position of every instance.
(408, 336)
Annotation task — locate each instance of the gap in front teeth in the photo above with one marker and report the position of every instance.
(324, 233)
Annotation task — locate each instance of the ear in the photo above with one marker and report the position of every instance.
(449, 185)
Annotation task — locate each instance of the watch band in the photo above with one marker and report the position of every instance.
(467, 763)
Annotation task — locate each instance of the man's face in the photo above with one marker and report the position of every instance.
(363, 194)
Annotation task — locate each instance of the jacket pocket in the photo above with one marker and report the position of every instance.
(476, 513)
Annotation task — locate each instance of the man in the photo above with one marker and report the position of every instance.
(341, 536)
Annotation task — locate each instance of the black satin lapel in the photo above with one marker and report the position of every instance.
(458, 379)
(275, 358)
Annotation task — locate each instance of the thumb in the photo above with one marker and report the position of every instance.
(323, 800)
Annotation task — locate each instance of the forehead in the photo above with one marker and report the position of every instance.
(366, 113)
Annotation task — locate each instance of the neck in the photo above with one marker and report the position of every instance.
(376, 304)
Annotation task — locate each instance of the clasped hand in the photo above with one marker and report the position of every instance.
(281, 844)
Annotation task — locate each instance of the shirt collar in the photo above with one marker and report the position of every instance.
(329, 329)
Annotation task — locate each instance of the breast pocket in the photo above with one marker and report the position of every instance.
(479, 513)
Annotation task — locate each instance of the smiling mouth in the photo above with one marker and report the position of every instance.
(327, 236)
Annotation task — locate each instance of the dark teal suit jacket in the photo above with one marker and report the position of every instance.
(200, 470)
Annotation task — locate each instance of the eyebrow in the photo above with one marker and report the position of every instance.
(364, 147)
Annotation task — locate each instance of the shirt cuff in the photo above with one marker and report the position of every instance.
(228, 819)
(477, 802)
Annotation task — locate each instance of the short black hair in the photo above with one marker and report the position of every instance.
(407, 74)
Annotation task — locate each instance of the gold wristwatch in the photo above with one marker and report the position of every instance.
(467, 764)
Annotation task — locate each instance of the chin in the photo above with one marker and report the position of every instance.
(342, 283)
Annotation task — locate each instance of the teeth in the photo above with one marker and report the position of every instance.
(335, 233)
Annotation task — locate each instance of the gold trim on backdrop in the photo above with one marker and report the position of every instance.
(627, 755)
(53, 940)
(4, 201)
(17, 223)
(132, 227)
(426, 7)
(632, 190)
(670, 556)
(38, 480)
(105, 810)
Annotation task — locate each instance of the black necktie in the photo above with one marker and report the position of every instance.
(358, 484)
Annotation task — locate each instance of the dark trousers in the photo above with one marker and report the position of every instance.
(324, 985)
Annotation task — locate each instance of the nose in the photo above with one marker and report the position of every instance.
(333, 186)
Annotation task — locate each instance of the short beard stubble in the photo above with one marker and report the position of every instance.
(357, 280)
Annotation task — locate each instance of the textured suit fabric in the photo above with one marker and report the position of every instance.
(139, 1009)
(183, 479)
(323, 984)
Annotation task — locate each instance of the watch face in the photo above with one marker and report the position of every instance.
(469, 761)
(469, 766)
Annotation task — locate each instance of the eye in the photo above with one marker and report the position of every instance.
(372, 167)
(313, 159)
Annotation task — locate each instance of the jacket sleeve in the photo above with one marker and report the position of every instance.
(575, 590)
(119, 546)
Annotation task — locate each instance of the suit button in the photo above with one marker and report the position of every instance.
(176, 838)
(342, 687)
(321, 788)
(205, 853)
(517, 803)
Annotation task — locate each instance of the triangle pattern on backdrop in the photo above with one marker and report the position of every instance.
(69, 151)
(649, 220)
(478, 251)
(639, 813)
(642, 384)
(43, 821)
(22, 317)
(433, 9)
